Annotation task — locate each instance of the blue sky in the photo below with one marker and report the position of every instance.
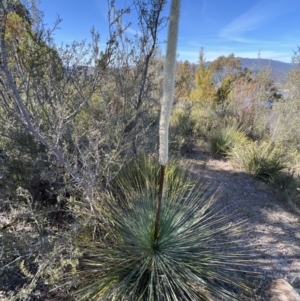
(245, 28)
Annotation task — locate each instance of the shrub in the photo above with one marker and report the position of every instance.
(192, 258)
(263, 160)
(207, 119)
(222, 140)
(182, 130)
(36, 250)
(284, 122)
(190, 122)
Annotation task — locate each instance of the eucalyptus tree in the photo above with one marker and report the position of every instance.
(225, 66)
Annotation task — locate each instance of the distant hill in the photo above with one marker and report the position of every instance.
(278, 70)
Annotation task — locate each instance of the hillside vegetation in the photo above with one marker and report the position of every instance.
(79, 164)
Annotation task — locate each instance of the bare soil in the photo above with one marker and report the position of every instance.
(272, 223)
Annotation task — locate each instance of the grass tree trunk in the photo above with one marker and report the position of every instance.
(167, 102)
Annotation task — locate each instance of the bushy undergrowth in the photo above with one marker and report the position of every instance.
(37, 249)
(223, 139)
(192, 258)
(189, 123)
(262, 160)
(182, 136)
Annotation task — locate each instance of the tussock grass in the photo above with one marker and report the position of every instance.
(222, 140)
(262, 160)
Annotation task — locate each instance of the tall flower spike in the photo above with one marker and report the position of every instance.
(168, 83)
(167, 102)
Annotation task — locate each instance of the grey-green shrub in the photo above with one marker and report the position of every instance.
(263, 160)
(223, 139)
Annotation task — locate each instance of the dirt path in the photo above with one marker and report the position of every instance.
(272, 224)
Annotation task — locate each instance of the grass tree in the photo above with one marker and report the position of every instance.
(170, 248)
(170, 245)
(167, 101)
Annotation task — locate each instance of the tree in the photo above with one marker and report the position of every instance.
(184, 80)
(224, 90)
(296, 58)
(136, 70)
(284, 116)
(225, 66)
(204, 91)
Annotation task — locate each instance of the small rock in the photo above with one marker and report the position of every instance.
(296, 282)
(281, 290)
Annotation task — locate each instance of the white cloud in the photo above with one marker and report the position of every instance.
(256, 17)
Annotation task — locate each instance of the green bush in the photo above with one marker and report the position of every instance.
(192, 258)
(222, 140)
(189, 123)
(263, 160)
(182, 130)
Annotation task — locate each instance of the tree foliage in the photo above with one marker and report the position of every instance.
(184, 80)
(204, 91)
(224, 90)
(226, 65)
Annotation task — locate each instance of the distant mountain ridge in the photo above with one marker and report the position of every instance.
(278, 69)
(262, 63)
